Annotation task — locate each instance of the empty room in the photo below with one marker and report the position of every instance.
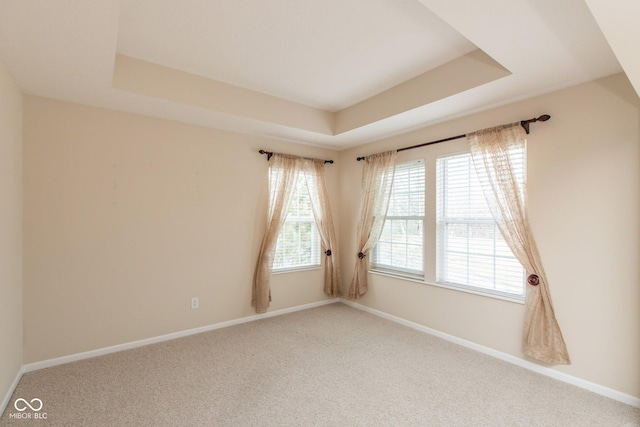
(330, 213)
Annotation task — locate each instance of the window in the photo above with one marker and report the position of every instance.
(471, 253)
(400, 249)
(298, 242)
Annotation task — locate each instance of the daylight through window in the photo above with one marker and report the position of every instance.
(400, 249)
(471, 252)
(298, 242)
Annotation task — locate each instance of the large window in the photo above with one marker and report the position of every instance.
(400, 249)
(298, 242)
(471, 253)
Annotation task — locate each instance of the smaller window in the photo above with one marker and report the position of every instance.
(298, 244)
(400, 249)
(471, 252)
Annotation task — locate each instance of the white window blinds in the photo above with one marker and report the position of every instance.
(298, 242)
(471, 253)
(400, 249)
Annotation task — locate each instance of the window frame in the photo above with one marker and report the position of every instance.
(441, 243)
(316, 258)
(389, 269)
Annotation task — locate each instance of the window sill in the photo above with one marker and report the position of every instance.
(296, 269)
(446, 286)
(469, 290)
(399, 275)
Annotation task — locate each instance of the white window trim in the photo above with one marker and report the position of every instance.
(477, 290)
(315, 244)
(295, 269)
(520, 301)
(400, 272)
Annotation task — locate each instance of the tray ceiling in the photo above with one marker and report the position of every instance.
(328, 72)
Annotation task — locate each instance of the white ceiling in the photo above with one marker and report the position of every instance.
(330, 59)
(328, 54)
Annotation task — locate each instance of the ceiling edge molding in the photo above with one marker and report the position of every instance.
(469, 71)
(145, 78)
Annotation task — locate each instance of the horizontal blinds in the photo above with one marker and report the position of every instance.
(471, 250)
(298, 243)
(407, 194)
(460, 193)
(401, 245)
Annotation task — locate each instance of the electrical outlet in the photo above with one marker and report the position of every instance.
(195, 302)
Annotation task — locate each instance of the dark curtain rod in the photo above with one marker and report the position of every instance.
(271, 153)
(524, 123)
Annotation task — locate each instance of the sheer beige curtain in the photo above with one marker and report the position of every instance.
(316, 184)
(377, 181)
(490, 150)
(283, 174)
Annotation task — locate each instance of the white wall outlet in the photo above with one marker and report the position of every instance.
(195, 302)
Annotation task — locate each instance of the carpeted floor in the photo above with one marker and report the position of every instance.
(328, 366)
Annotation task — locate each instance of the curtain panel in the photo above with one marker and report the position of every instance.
(507, 200)
(316, 184)
(377, 181)
(284, 171)
(283, 174)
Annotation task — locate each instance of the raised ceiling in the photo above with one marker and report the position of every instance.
(328, 72)
(327, 54)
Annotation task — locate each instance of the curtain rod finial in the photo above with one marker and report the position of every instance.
(271, 153)
(268, 153)
(525, 123)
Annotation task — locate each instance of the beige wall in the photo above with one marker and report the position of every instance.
(10, 231)
(128, 217)
(584, 197)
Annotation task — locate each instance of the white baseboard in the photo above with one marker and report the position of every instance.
(12, 388)
(153, 340)
(587, 385)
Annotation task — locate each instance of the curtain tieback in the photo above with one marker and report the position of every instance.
(327, 252)
(361, 255)
(533, 280)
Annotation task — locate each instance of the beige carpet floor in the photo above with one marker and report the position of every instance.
(328, 366)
